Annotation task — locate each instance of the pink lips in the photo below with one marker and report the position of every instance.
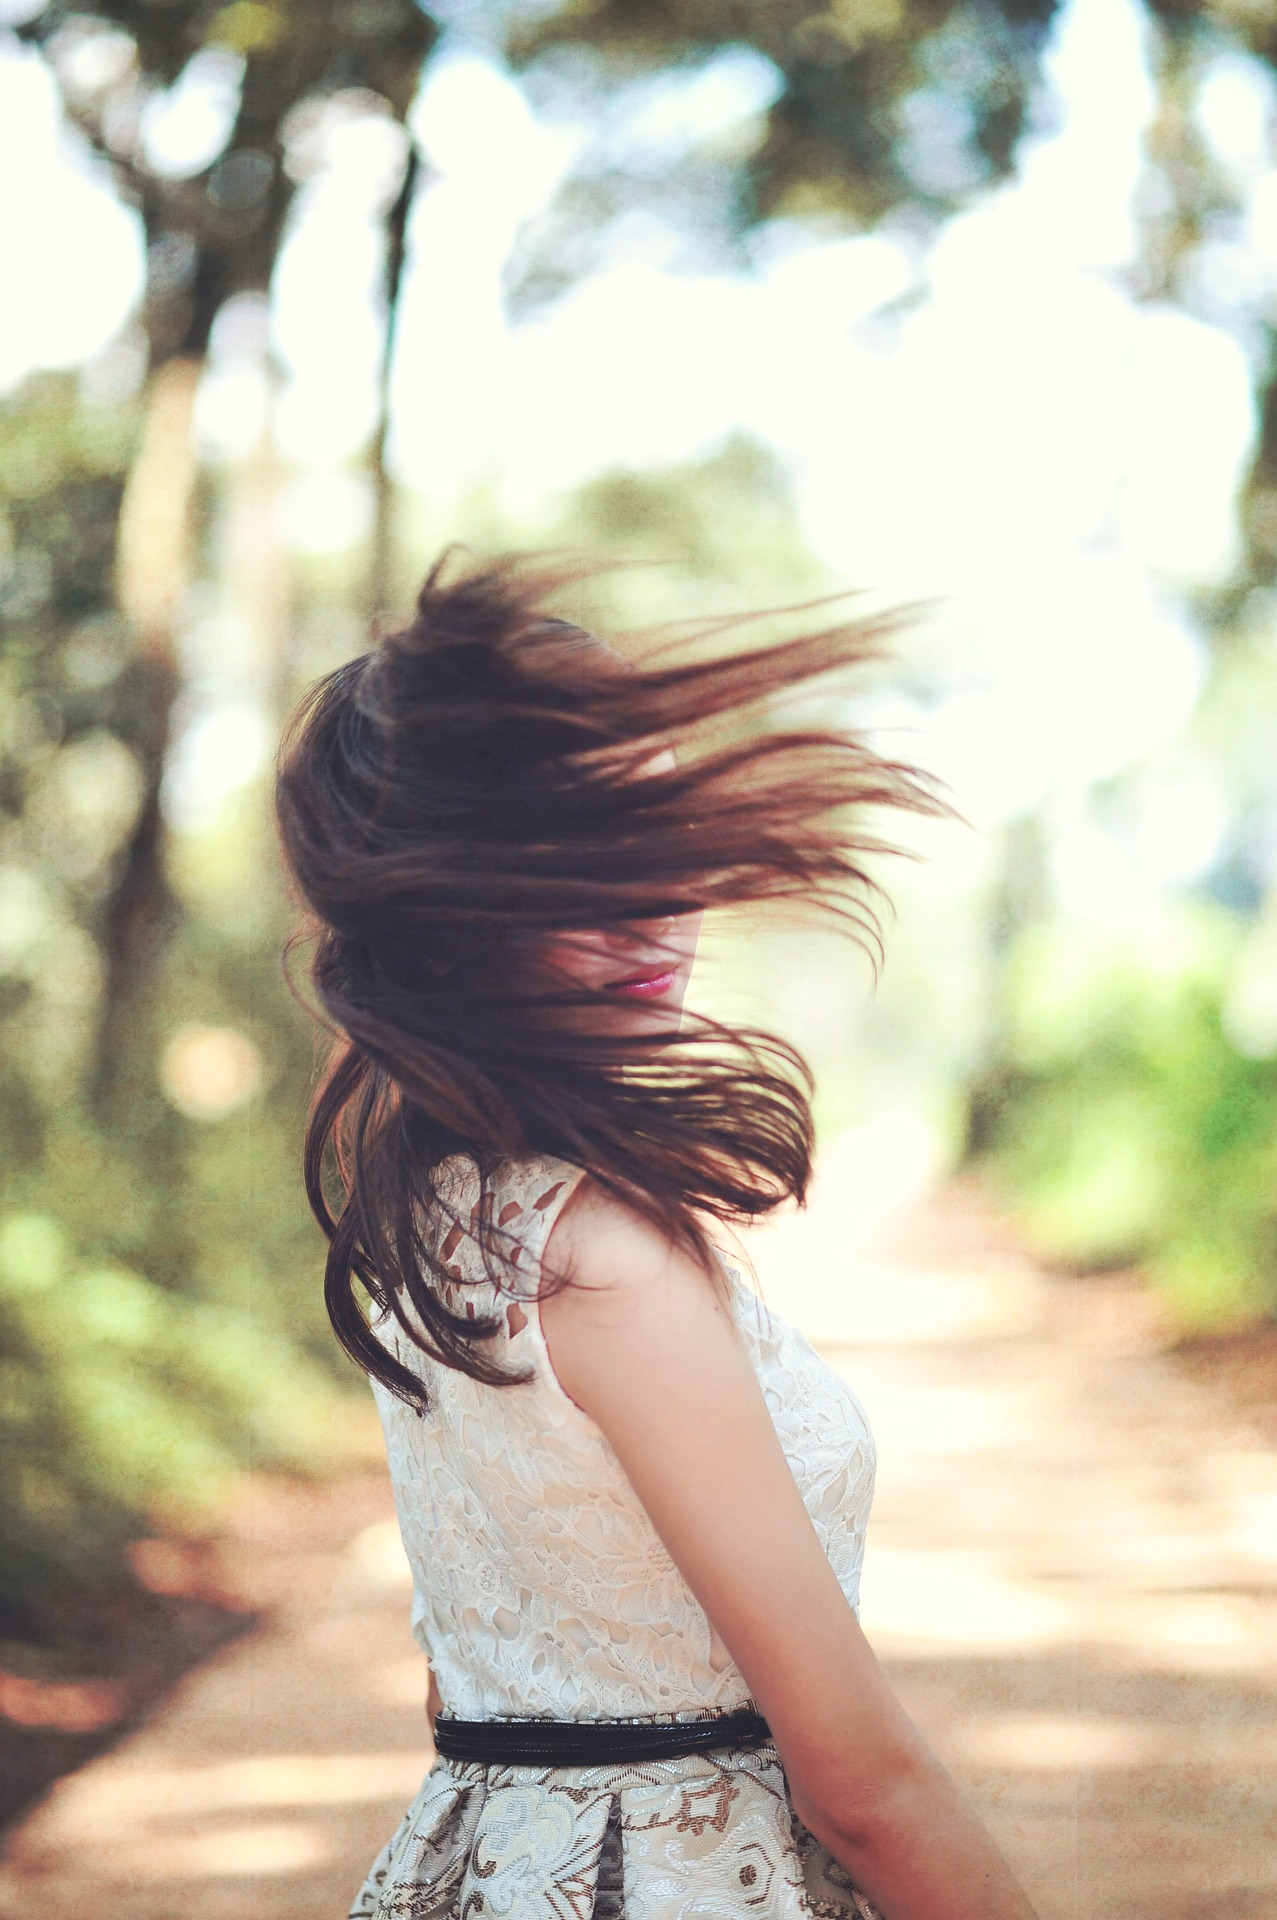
(649, 987)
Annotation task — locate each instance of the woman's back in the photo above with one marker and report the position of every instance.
(540, 1585)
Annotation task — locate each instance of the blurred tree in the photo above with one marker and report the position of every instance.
(873, 105)
(1137, 1114)
(214, 201)
(152, 1077)
(213, 206)
(868, 109)
(1130, 1113)
(154, 1318)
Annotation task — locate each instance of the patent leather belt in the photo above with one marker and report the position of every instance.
(593, 1743)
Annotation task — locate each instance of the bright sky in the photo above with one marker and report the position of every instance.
(1022, 437)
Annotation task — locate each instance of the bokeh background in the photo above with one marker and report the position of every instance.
(967, 305)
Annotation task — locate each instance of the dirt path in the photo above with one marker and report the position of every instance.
(1072, 1574)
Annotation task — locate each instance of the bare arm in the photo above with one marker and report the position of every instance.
(647, 1348)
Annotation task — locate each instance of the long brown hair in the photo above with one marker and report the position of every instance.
(483, 778)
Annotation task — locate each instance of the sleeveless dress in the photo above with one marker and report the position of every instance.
(542, 1589)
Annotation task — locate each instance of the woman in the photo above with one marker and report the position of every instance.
(634, 1501)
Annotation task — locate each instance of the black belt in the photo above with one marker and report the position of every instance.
(593, 1743)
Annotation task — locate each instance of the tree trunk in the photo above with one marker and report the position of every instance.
(152, 572)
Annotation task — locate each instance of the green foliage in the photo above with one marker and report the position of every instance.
(73, 699)
(124, 1404)
(161, 1327)
(1129, 1123)
(161, 1311)
(875, 103)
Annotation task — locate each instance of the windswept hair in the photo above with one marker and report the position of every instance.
(486, 777)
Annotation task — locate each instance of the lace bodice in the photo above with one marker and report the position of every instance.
(540, 1585)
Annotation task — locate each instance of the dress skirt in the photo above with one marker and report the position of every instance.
(707, 1836)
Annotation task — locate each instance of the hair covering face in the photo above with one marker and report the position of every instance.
(486, 780)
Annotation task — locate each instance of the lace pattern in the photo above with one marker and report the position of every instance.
(540, 1585)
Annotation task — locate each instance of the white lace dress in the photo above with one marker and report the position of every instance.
(541, 1589)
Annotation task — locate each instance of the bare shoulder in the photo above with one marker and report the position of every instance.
(604, 1247)
(635, 1305)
